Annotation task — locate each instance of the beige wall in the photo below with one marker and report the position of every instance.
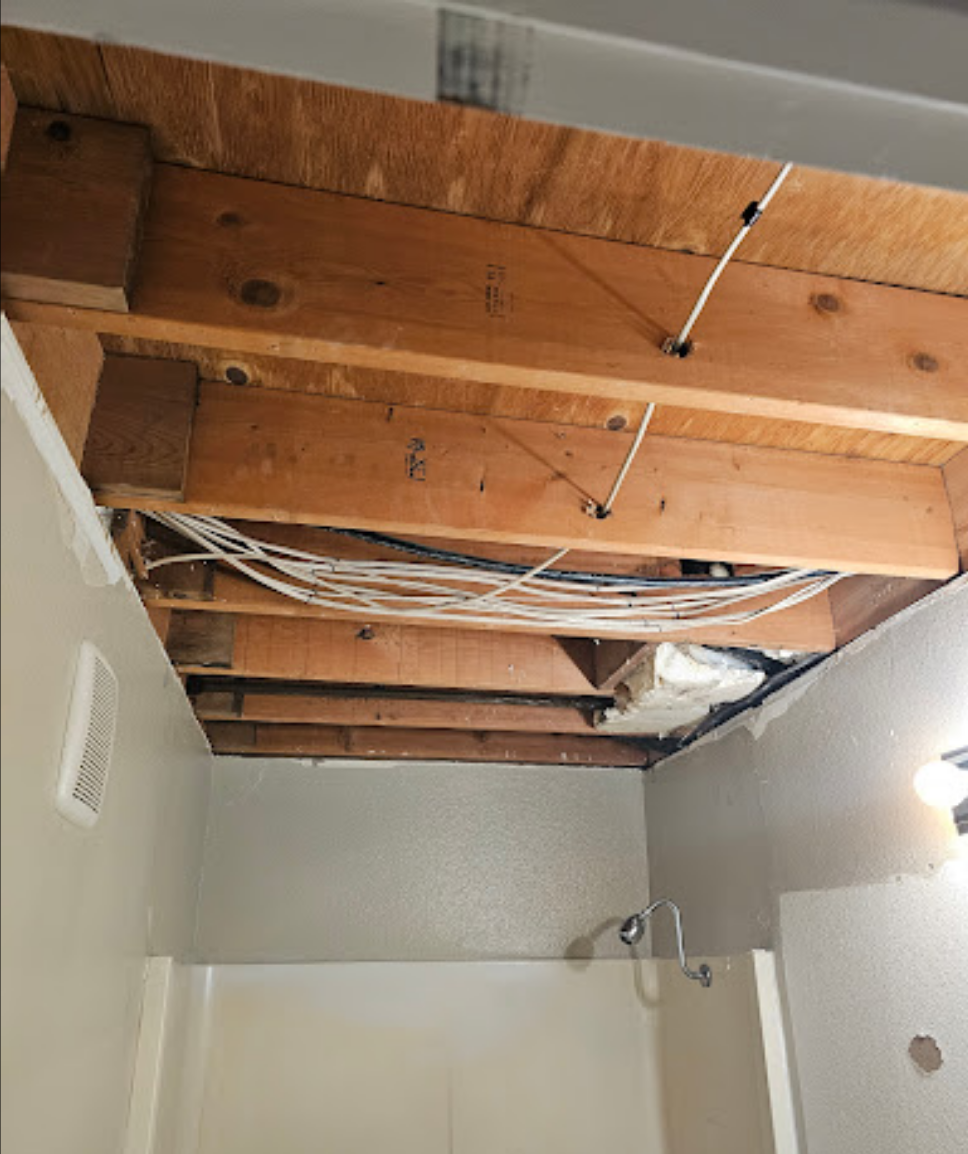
(81, 909)
(798, 829)
(340, 862)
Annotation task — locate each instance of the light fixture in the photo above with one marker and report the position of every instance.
(944, 783)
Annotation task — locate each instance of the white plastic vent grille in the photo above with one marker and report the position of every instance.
(89, 738)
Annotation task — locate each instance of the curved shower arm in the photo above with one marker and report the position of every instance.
(634, 927)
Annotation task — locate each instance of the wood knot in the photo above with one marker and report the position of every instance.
(924, 363)
(236, 376)
(59, 130)
(229, 220)
(825, 302)
(260, 294)
(616, 423)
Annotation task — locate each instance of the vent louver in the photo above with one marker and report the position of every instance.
(89, 738)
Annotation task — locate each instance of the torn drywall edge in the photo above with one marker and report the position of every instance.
(86, 534)
(357, 764)
(758, 719)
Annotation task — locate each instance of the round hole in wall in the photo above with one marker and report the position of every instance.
(925, 1053)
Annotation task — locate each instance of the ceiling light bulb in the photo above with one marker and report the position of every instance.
(941, 784)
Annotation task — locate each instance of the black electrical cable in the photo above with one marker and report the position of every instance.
(573, 576)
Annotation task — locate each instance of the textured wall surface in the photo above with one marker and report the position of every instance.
(344, 862)
(867, 970)
(82, 909)
(799, 829)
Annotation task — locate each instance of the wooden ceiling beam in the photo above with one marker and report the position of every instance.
(268, 269)
(956, 483)
(421, 745)
(263, 455)
(860, 603)
(8, 113)
(357, 711)
(504, 401)
(460, 159)
(74, 193)
(140, 427)
(67, 366)
(203, 588)
(219, 644)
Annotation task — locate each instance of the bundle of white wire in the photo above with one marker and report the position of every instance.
(463, 593)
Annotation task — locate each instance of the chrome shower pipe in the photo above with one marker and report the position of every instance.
(633, 928)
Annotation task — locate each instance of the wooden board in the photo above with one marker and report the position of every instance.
(415, 391)
(805, 627)
(421, 745)
(8, 112)
(271, 269)
(67, 365)
(956, 482)
(860, 603)
(400, 713)
(73, 202)
(345, 652)
(137, 445)
(258, 455)
(160, 620)
(467, 161)
(201, 641)
(615, 660)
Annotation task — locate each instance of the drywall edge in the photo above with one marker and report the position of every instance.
(758, 719)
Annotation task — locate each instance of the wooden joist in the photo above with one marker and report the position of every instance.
(268, 269)
(421, 745)
(137, 443)
(860, 603)
(263, 455)
(361, 710)
(74, 194)
(67, 366)
(466, 160)
(413, 390)
(201, 642)
(956, 483)
(615, 660)
(198, 586)
(8, 112)
(360, 654)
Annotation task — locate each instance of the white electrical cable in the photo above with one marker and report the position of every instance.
(461, 593)
(678, 346)
(603, 510)
(755, 211)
